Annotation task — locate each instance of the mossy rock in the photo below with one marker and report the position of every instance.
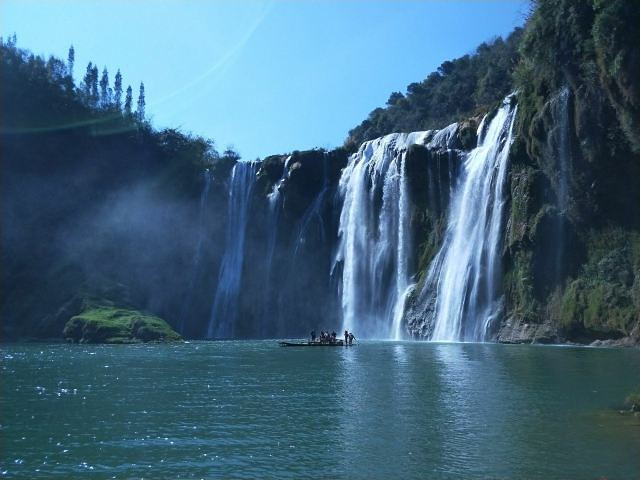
(467, 132)
(108, 324)
(603, 300)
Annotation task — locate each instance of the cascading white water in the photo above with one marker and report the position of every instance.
(223, 312)
(464, 276)
(374, 244)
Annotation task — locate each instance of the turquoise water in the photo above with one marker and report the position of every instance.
(249, 409)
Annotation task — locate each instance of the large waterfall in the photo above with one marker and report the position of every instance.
(375, 258)
(374, 243)
(463, 279)
(223, 313)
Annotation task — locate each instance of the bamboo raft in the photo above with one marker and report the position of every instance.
(337, 343)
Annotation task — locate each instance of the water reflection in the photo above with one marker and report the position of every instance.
(254, 410)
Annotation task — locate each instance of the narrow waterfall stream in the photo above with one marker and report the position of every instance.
(223, 312)
(464, 276)
(559, 153)
(197, 256)
(313, 213)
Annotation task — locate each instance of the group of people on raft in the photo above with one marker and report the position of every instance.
(331, 338)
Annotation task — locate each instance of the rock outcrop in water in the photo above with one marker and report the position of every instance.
(109, 324)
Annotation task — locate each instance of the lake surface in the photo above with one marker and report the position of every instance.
(245, 409)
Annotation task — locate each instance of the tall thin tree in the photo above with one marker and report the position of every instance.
(141, 104)
(117, 91)
(128, 100)
(94, 95)
(86, 83)
(105, 97)
(71, 60)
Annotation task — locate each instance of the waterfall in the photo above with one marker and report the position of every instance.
(314, 211)
(374, 244)
(275, 201)
(559, 158)
(223, 312)
(559, 146)
(198, 252)
(464, 276)
(275, 207)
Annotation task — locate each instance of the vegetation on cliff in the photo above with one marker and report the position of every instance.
(460, 88)
(91, 195)
(572, 236)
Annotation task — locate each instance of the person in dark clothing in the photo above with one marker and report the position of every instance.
(351, 338)
(346, 338)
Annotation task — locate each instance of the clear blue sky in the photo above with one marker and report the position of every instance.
(265, 77)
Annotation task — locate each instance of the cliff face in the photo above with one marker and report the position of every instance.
(568, 245)
(571, 243)
(283, 267)
(286, 288)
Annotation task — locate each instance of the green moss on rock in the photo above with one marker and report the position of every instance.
(603, 300)
(109, 324)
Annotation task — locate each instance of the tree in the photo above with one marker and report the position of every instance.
(105, 97)
(86, 83)
(141, 104)
(117, 91)
(71, 60)
(94, 96)
(231, 154)
(128, 101)
(394, 98)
